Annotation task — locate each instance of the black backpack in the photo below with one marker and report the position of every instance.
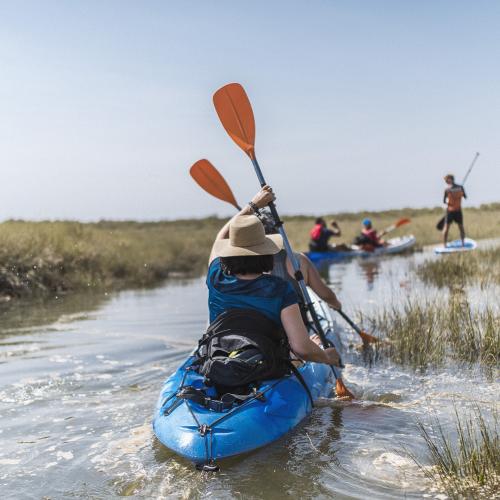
(240, 347)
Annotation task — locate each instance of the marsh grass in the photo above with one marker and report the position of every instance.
(54, 257)
(428, 333)
(467, 466)
(480, 267)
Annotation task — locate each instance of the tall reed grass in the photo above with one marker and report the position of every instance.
(468, 465)
(429, 333)
(54, 257)
(481, 267)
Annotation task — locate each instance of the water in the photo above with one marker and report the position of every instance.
(79, 377)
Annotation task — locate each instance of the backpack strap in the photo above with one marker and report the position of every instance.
(300, 378)
(227, 401)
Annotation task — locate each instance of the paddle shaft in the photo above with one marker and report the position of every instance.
(295, 264)
(349, 321)
(470, 168)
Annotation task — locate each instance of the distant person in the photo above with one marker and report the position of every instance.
(283, 268)
(453, 195)
(320, 234)
(369, 238)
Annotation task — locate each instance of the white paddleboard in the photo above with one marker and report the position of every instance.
(456, 246)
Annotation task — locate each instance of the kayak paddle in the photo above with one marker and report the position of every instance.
(236, 115)
(209, 179)
(399, 223)
(206, 175)
(367, 338)
(440, 224)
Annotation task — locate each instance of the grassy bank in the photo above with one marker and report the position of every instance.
(429, 333)
(481, 267)
(467, 465)
(55, 257)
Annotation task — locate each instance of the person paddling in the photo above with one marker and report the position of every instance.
(369, 238)
(320, 234)
(453, 195)
(238, 278)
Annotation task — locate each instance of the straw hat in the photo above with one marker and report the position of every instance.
(247, 237)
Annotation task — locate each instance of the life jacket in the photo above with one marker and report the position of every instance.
(371, 235)
(240, 347)
(454, 197)
(315, 232)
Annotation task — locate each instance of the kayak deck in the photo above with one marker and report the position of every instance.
(396, 245)
(203, 434)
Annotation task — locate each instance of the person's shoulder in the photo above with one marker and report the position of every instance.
(213, 267)
(214, 264)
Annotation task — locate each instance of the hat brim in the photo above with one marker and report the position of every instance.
(271, 246)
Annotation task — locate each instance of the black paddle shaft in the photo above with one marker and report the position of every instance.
(296, 266)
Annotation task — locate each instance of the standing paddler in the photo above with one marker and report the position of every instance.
(453, 195)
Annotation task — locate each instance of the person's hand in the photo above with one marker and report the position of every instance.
(264, 197)
(332, 356)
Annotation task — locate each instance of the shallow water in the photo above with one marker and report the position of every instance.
(79, 377)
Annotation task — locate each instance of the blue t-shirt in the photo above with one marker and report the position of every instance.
(267, 294)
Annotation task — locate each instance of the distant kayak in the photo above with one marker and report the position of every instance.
(456, 246)
(396, 245)
(190, 421)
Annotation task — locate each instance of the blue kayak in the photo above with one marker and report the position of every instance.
(204, 433)
(456, 246)
(395, 245)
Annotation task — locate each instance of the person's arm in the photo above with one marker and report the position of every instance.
(260, 200)
(463, 192)
(314, 280)
(445, 198)
(300, 342)
(336, 229)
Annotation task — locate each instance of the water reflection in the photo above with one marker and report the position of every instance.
(370, 269)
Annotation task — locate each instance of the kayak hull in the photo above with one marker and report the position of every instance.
(248, 427)
(456, 246)
(396, 245)
(203, 435)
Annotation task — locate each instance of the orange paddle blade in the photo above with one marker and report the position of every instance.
(235, 113)
(402, 222)
(210, 179)
(367, 338)
(342, 391)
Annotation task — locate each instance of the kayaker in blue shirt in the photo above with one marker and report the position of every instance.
(238, 277)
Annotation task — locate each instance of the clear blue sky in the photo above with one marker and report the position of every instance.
(359, 105)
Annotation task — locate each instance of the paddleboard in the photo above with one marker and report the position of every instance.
(456, 246)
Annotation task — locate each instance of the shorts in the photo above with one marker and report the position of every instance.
(455, 216)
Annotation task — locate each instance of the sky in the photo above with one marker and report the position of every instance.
(105, 104)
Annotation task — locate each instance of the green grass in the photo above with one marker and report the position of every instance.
(57, 257)
(429, 333)
(481, 267)
(469, 465)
